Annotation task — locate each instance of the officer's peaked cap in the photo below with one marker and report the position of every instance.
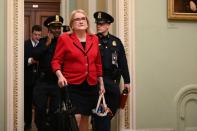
(56, 20)
(103, 17)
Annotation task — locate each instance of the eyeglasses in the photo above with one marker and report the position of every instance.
(79, 19)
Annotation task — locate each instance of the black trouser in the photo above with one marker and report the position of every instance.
(28, 101)
(47, 101)
(112, 97)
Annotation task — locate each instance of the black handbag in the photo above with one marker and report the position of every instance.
(101, 115)
(66, 116)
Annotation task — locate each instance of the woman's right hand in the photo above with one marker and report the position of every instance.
(61, 79)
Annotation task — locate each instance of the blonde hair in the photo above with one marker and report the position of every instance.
(85, 14)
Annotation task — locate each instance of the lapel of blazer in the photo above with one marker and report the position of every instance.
(78, 44)
(89, 43)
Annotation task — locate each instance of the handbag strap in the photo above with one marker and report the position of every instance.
(104, 103)
(101, 97)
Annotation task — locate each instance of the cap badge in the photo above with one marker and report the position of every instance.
(99, 15)
(114, 43)
(57, 18)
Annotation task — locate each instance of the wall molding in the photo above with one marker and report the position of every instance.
(125, 29)
(14, 64)
(185, 95)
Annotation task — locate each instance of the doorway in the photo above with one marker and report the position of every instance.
(36, 12)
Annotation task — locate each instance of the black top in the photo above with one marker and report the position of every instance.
(83, 44)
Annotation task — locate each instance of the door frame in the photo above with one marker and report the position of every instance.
(36, 12)
(14, 61)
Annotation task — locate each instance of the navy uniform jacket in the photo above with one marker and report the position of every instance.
(108, 45)
(44, 55)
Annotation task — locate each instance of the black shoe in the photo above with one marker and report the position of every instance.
(27, 127)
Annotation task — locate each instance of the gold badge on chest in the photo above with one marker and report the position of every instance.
(114, 43)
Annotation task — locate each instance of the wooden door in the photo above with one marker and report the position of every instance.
(36, 12)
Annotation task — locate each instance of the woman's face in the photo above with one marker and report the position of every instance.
(79, 22)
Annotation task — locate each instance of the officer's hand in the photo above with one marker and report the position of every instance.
(49, 38)
(127, 86)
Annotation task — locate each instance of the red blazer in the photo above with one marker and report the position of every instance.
(78, 64)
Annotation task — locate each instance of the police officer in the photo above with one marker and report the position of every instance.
(46, 92)
(114, 66)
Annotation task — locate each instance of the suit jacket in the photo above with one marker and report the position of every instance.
(78, 64)
(29, 70)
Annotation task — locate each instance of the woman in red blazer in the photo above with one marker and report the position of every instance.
(77, 63)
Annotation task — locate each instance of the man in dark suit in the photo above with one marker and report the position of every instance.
(30, 73)
(46, 93)
(114, 66)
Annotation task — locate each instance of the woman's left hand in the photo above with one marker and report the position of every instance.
(102, 89)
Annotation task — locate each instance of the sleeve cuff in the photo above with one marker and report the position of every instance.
(30, 61)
